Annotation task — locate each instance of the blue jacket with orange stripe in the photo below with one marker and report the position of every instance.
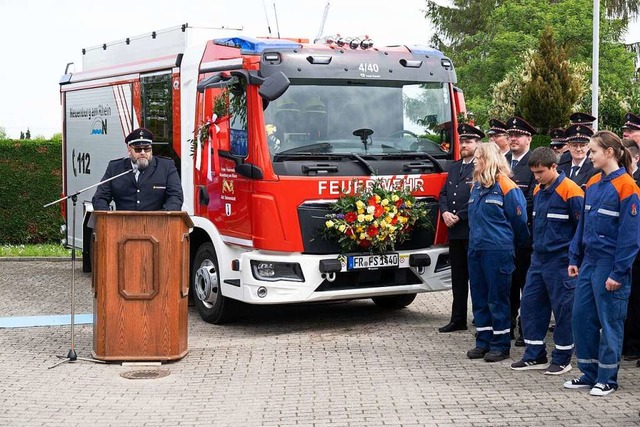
(609, 226)
(497, 216)
(556, 213)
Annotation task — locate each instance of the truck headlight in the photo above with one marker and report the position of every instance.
(270, 271)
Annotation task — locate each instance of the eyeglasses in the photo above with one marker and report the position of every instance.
(141, 149)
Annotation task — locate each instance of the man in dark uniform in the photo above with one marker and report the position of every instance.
(454, 198)
(152, 185)
(584, 119)
(580, 169)
(498, 134)
(559, 144)
(631, 128)
(520, 134)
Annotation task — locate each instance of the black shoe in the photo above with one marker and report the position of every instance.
(477, 353)
(496, 356)
(451, 327)
(631, 357)
(519, 342)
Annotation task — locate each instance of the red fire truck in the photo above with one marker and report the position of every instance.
(267, 134)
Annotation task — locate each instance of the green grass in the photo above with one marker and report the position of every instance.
(36, 251)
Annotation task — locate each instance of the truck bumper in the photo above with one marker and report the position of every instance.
(315, 286)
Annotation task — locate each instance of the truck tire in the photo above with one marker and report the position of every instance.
(394, 301)
(212, 306)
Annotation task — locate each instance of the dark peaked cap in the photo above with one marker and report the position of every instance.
(466, 131)
(496, 127)
(557, 137)
(519, 125)
(140, 136)
(578, 133)
(582, 118)
(631, 121)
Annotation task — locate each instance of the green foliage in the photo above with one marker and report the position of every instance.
(488, 41)
(540, 141)
(31, 177)
(549, 95)
(3, 133)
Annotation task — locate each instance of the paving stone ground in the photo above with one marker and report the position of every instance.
(341, 364)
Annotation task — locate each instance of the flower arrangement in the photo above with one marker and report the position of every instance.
(375, 218)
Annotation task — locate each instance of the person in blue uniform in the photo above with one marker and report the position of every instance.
(454, 198)
(557, 206)
(152, 185)
(497, 225)
(600, 255)
(520, 135)
(580, 169)
(631, 341)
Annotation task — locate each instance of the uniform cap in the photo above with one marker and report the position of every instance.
(557, 137)
(578, 133)
(519, 125)
(466, 131)
(631, 121)
(582, 118)
(496, 127)
(140, 136)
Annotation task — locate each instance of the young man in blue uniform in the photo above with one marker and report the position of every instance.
(557, 206)
(454, 198)
(601, 254)
(497, 225)
(152, 185)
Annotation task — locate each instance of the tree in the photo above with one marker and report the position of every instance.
(549, 95)
(487, 41)
(3, 133)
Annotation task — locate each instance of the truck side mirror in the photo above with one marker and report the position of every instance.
(274, 86)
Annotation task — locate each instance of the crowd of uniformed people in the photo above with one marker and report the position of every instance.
(551, 231)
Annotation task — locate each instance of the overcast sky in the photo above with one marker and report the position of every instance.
(39, 37)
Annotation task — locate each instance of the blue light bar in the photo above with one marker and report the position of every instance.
(249, 45)
(424, 50)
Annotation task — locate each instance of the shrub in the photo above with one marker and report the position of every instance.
(31, 174)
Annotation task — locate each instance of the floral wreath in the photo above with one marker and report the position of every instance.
(376, 218)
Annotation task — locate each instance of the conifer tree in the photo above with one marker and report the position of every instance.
(548, 97)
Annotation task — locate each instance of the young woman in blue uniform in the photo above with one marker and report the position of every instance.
(601, 254)
(497, 223)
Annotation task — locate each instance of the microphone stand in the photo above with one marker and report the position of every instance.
(71, 355)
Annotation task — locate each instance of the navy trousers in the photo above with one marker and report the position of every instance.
(490, 281)
(598, 322)
(548, 289)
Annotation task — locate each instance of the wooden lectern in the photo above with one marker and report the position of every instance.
(140, 285)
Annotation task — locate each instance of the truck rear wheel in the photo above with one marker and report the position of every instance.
(212, 306)
(394, 301)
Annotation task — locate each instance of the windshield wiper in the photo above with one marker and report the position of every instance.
(363, 162)
(319, 147)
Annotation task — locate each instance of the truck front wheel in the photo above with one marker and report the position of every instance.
(394, 301)
(212, 306)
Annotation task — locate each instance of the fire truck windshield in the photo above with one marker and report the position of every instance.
(414, 118)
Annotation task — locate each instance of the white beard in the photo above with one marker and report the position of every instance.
(142, 164)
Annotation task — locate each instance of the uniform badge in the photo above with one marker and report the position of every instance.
(518, 210)
(634, 209)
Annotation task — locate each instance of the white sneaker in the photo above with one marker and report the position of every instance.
(601, 390)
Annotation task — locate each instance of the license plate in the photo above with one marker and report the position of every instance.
(365, 262)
